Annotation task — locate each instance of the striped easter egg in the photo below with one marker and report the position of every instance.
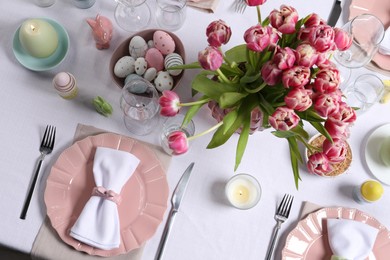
(173, 59)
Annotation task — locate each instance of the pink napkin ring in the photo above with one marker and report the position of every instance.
(100, 191)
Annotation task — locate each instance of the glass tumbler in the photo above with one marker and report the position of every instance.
(139, 103)
(171, 14)
(364, 92)
(367, 32)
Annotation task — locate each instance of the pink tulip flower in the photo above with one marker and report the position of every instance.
(342, 39)
(257, 38)
(336, 128)
(274, 37)
(284, 58)
(169, 103)
(327, 80)
(314, 20)
(306, 55)
(345, 114)
(210, 58)
(218, 33)
(321, 37)
(255, 2)
(284, 19)
(178, 142)
(298, 99)
(270, 73)
(336, 151)
(283, 119)
(318, 164)
(326, 104)
(297, 76)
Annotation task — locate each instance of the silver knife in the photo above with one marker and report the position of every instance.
(176, 199)
(334, 13)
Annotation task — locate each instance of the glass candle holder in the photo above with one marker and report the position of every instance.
(243, 191)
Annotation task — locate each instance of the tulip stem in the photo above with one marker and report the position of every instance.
(258, 13)
(222, 76)
(199, 102)
(206, 132)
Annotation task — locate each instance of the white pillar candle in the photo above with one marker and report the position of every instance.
(243, 191)
(38, 38)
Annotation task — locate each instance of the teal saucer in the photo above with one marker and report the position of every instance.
(42, 64)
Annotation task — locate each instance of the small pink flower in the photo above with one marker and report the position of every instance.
(284, 19)
(318, 164)
(283, 119)
(169, 103)
(255, 2)
(327, 80)
(297, 76)
(257, 38)
(307, 56)
(346, 114)
(298, 99)
(336, 151)
(284, 58)
(326, 104)
(336, 128)
(218, 33)
(342, 39)
(178, 142)
(210, 58)
(270, 73)
(314, 20)
(321, 37)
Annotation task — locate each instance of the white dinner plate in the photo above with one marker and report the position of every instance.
(373, 160)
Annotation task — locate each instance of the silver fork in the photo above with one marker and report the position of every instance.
(239, 6)
(281, 216)
(45, 148)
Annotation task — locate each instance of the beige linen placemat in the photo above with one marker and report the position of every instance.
(48, 245)
(204, 5)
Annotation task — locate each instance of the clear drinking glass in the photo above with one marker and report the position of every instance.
(173, 124)
(171, 14)
(364, 92)
(139, 103)
(132, 15)
(367, 32)
(84, 4)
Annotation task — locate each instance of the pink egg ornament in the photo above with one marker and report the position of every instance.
(155, 59)
(164, 42)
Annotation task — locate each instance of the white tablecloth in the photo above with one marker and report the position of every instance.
(206, 227)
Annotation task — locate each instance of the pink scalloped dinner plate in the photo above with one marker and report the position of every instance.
(309, 239)
(144, 196)
(381, 9)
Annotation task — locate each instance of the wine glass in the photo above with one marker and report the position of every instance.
(367, 33)
(132, 15)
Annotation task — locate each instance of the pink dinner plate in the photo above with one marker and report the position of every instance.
(309, 239)
(381, 9)
(144, 196)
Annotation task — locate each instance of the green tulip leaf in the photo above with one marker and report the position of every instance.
(294, 157)
(229, 99)
(211, 88)
(237, 53)
(228, 120)
(242, 141)
(320, 128)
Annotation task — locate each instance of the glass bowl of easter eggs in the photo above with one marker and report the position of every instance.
(148, 54)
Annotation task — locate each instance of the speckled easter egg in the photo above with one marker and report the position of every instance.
(124, 66)
(150, 74)
(163, 42)
(140, 66)
(150, 44)
(163, 81)
(155, 59)
(137, 47)
(132, 77)
(171, 60)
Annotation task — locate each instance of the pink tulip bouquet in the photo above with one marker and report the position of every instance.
(283, 71)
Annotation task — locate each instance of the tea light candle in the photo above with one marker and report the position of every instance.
(243, 191)
(38, 38)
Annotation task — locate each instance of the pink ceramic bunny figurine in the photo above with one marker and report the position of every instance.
(101, 30)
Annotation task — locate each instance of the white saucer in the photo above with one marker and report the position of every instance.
(373, 160)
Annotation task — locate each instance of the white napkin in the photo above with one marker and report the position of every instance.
(384, 47)
(98, 224)
(350, 239)
(204, 5)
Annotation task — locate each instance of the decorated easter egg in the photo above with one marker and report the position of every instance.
(150, 74)
(163, 81)
(171, 60)
(124, 66)
(163, 42)
(155, 59)
(137, 47)
(65, 84)
(150, 44)
(140, 66)
(132, 77)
